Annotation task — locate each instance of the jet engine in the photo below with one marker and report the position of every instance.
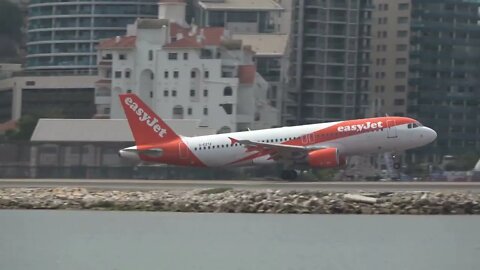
(325, 158)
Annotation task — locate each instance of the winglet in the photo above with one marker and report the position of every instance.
(146, 126)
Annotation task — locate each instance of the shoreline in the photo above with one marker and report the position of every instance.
(225, 200)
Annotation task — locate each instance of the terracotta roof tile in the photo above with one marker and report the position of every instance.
(246, 74)
(12, 124)
(118, 43)
(175, 28)
(213, 37)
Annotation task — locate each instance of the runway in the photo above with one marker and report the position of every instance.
(247, 185)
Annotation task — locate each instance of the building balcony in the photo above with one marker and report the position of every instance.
(105, 63)
(102, 100)
(103, 82)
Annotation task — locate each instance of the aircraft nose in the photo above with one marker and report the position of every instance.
(431, 135)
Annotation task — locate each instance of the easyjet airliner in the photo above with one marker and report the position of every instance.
(324, 145)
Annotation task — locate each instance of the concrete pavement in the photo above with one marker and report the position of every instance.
(247, 185)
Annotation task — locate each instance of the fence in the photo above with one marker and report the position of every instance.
(98, 161)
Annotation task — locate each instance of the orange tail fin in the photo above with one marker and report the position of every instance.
(147, 127)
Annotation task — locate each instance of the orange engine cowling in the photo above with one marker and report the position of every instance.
(325, 158)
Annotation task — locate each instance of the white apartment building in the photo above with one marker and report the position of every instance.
(184, 72)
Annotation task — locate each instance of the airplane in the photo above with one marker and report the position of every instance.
(324, 145)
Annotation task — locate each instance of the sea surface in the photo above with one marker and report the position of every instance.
(68, 240)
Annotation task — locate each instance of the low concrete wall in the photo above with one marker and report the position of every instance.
(238, 201)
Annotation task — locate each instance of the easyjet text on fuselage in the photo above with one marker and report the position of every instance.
(360, 127)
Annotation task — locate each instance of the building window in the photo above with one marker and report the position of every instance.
(402, 20)
(205, 111)
(400, 88)
(150, 55)
(400, 75)
(205, 92)
(165, 74)
(185, 56)
(165, 93)
(172, 56)
(227, 91)
(122, 56)
(403, 6)
(228, 108)
(178, 112)
(401, 61)
(189, 111)
(175, 74)
(151, 94)
(192, 92)
(118, 74)
(399, 102)
(174, 93)
(129, 91)
(401, 47)
(402, 33)
(206, 74)
(193, 74)
(152, 76)
(127, 74)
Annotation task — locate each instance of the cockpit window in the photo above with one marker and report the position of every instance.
(414, 125)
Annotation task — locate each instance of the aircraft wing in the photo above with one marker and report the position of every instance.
(277, 151)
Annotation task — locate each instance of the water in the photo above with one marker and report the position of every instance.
(69, 240)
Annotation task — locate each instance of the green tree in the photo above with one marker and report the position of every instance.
(27, 123)
(25, 127)
(11, 20)
(11, 24)
(464, 162)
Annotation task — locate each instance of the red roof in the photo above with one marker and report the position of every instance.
(175, 28)
(118, 43)
(246, 74)
(8, 125)
(212, 37)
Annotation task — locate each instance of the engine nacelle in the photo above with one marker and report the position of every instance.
(325, 158)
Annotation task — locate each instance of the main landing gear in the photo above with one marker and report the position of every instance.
(289, 175)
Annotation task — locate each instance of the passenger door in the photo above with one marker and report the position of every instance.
(391, 129)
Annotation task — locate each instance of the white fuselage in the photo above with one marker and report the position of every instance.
(217, 150)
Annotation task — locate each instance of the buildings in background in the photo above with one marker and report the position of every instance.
(239, 16)
(60, 73)
(265, 25)
(271, 60)
(425, 65)
(330, 61)
(64, 96)
(184, 72)
(63, 34)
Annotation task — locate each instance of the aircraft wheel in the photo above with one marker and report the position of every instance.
(289, 175)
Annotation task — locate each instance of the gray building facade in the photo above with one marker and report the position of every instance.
(425, 62)
(330, 61)
(444, 83)
(64, 34)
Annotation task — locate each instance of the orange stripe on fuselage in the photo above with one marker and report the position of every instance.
(171, 154)
(332, 133)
